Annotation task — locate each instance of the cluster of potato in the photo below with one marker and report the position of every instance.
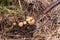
(29, 20)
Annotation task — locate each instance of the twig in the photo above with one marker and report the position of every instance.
(51, 6)
(20, 6)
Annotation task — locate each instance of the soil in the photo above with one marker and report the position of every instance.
(49, 23)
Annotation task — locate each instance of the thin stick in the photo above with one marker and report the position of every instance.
(50, 7)
(20, 6)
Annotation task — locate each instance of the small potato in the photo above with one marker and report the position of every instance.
(24, 22)
(30, 20)
(14, 24)
(20, 24)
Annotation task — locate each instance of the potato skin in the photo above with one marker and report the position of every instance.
(20, 24)
(24, 22)
(14, 24)
(30, 20)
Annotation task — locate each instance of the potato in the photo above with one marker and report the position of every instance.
(30, 20)
(20, 24)
(14, 24)
(24, 22)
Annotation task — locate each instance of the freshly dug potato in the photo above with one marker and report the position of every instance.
(14, 24)
(24, 22)
(30, 20)
(20, 24)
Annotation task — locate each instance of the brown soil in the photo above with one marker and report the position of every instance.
(49, 23)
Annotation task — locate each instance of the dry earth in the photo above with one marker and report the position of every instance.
(51, 28)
